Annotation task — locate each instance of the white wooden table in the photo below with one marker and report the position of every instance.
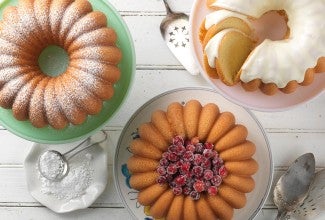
(291, 133)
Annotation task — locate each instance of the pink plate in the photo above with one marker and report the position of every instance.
(253, 100)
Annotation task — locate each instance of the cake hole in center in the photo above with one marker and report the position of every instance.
(53, 60)
(272, 25)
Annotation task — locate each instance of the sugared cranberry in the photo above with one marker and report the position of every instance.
(223, 172)
(212, 190)
(198, 159)
(187, 190)
(178, 140)
(208, 153)
(197, 171)
(180, 180)
(207, 184)
(185, 167)
(172, 168)
(172, 149)
(188, 156)
(180, 150)
(206, 164)
(199, 148)
(191, 148)
(192, 168)
(161, 170)
(177, 190)
(161, 180)
(208, 174)
(208, 145)
(164, 162)
(165, 155)
(173, 157)
(216, 180)
(199, 186)
(195, 195)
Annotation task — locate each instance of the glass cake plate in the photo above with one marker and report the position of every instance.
(253, 100)
(263, 155)
(93, 123)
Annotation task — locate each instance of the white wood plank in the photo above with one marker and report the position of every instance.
(309, 116)
(41, 213)
(145, 29)
(151, 5)
(286, 147)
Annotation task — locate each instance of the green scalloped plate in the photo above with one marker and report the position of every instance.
(72, 133)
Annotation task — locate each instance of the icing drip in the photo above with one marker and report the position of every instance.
(286, 60)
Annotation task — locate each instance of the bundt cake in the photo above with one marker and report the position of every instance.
(192, 162)
(33, 25)
(268, 65)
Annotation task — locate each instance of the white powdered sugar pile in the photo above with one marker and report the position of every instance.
(73, 185)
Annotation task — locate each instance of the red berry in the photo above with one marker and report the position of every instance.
(199, 148)
(178, 140)
(223, 171)
(195, 195)
(172, 149)
(197, 171)
(217, 161)
(180, 180)
(185, 167)
(206, 164)
(186, 190)
(190, 147)
(208, 153)
(198, 159)
(161, 180)
(208, 145)
(207, 184)
(188, 156)
(216, 180)
(212, 190)
(172, 169)
(165, 155)
(208, 174)
(173, 157)
(177, 190)
(161, 170)
(199, 186)
(180, 150)
(163, 162)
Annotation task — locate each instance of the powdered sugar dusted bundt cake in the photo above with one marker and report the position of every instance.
(269, 65)
(192, 162)
(25, 31)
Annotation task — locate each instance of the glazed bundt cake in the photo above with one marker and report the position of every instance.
(192, 162)
(269, 65)
(25, 31)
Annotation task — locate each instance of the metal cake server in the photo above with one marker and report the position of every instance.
(293, 186)
(175, 31)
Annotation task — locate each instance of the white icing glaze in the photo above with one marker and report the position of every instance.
(283, 61)
(220, 15)
(212, 47)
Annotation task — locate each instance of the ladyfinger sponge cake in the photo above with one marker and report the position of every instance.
(235, 52)
(192, 162)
